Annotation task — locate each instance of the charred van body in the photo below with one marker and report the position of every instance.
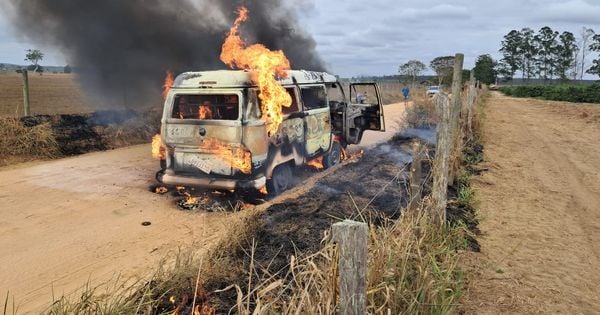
(214, 134)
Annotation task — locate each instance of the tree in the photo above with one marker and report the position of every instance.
(485, 69)
(565, 55)
(547, 47)
(511, 53)
(528, 53)
(34, 56)
(412, 69)
(67, 69)
(584, 42)
(443, 67)
(505, 71)
(34, 68)
(595, 46)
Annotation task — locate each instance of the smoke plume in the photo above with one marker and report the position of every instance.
(122, 49)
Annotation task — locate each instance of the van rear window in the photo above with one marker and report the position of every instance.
(207, 107)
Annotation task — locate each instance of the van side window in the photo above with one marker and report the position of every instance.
(206, 107)
(314, 97)
(285, 110)
(294, 107)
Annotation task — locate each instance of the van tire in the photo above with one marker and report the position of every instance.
(280, 181)
(334, 156)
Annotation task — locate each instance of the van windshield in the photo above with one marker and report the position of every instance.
(207, 107)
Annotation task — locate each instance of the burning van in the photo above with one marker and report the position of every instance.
(217, 134)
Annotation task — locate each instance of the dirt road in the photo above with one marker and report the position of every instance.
(68, 221)
(540, 208)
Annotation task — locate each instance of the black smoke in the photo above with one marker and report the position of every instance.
(122, 48)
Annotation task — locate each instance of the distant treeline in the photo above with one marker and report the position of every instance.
(548, 54)
(568, 93)
(53, 69)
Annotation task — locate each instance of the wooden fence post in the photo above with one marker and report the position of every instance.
(471, 105)
(442, 155)
(455, 115)
(352, 240)
(415, 175)
(26, 110)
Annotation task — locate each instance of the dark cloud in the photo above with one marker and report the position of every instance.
(123, 48)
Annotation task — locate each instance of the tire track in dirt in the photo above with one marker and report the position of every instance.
(540, 203)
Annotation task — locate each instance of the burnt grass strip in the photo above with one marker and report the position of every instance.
(103, 130)
(376, 186)
(297, 226)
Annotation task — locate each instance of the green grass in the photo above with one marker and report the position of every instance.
(567, 93)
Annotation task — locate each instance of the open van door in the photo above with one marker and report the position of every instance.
(364, 111)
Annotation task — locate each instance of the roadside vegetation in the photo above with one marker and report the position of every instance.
(567, 93)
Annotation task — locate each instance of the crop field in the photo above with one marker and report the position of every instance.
(49, 94)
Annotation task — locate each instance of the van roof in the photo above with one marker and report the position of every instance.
(242, 78)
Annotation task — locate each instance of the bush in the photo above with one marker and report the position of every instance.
(568, 93)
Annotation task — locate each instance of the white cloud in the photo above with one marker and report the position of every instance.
(573, 11)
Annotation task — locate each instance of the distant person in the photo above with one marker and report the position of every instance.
(360, 98)
(405, 92)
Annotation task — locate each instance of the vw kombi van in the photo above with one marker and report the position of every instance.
(214, 134)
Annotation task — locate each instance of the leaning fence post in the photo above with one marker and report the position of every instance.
(26, 110)
(455, 115)
(442, 155)
(352, 240)
(415, 175)
(471, 105)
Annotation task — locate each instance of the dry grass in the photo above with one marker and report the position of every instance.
(34, 142)
(422, 113)
(412, 270)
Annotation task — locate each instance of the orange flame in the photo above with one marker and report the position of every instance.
(168, 83)
(204, 112)
(267, 64)
(264, 191)
(238, 157)
(316, 163)
(158, 151)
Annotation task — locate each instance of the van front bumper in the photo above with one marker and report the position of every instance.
(169, 178)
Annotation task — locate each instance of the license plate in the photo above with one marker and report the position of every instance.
(201, 164)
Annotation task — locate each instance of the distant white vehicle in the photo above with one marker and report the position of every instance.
(433, 90)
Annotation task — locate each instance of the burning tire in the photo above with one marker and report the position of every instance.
(281, 180)
(334, 156)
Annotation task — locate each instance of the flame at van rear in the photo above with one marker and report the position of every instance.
(158, 151)
(238, 157)
(267, 65)
(168, 84)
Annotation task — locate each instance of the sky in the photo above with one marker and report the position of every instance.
(374, 37)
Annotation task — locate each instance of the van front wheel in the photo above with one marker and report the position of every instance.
(281, 180)
(334, 156)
